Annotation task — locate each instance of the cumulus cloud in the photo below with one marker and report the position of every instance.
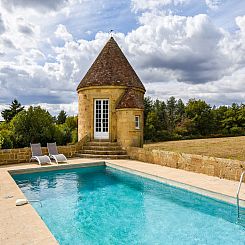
(189, 46)
(240, 21)
(2, 25)
(6, 43)
(213, 4)
(61, 32)
(27, 30)
(54, 109)
(39, 5)
(140, 5)
(183, 56)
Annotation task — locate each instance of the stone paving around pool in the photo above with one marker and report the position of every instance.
(22, 225)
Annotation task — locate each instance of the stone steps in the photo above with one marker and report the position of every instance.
(102, 143)
(102, 149)
(105, 152)
(102, 156)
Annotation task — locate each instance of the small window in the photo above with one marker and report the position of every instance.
(137, 122)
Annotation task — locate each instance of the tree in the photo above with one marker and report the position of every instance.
(66, 132)
(14, 109)
(200, 113)
(234, 120)
(72, 122)
(151, 126)
(171, 113)
(32, 126)
(62, 134)
(61, 118)
(148, 106)
(180, 111)
(1, 141)
(160, 110)
(7, 139)
(219, 116)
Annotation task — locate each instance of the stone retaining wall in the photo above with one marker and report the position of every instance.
(222, 168)
(22, 155)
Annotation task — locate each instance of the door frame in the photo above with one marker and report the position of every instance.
(101, 135)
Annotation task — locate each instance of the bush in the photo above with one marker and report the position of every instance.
(74, 136)
(72, 122)
(63, 134)
(32, 126)
(236, 130)
(6, 139)
(1, 141)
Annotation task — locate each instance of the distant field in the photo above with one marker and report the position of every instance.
(230, 147)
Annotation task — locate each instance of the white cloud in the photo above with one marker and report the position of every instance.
(213, 4)
(185, 56)
(39, 5)
(240, 21)
(141, 5)
(2, 25)
(54, 109)
(61, 32)
(229, 89)
(189, 46)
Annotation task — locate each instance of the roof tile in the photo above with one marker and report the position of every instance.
(131, 99)
(111, 68)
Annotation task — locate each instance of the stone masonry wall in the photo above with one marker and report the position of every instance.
(127, 134)
(23, 155)
(86, 99)
(219, 167)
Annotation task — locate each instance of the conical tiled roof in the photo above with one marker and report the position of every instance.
(111, 68)
(131, 99)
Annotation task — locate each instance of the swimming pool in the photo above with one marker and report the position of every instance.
(102, 205)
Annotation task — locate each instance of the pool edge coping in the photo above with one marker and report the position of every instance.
(174, 183)
(192, 188)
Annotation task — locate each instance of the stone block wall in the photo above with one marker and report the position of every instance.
(127, 134)
(23, 155)
(219, 167)
(121, 121)
(86, 97)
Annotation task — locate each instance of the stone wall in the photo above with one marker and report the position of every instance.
(121, 121)
(23, 155)
(86, 97)
(222, 168)
(127, 134)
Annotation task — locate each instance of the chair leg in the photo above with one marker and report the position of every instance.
(56, 160)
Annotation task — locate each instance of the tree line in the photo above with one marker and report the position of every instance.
(163, 120)
(33, 125)
(172, 120)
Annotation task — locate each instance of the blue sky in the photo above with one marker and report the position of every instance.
(181, 48)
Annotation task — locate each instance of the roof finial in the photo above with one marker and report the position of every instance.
(111, 33)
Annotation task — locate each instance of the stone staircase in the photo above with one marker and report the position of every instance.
(102, 149)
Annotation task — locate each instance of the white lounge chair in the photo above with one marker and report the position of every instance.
(53, 153)
(37, 154)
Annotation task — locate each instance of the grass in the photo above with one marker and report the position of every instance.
(230, 147)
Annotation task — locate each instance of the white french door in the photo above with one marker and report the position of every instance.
(101, 119)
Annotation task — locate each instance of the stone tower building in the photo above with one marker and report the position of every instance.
(111, 100)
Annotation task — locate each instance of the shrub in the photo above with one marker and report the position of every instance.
(6, 138)
(236, 130)
(62, 134)
(74, 136)
(1, 141)
(32, 126)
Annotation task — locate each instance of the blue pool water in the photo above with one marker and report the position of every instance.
(101, 205)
